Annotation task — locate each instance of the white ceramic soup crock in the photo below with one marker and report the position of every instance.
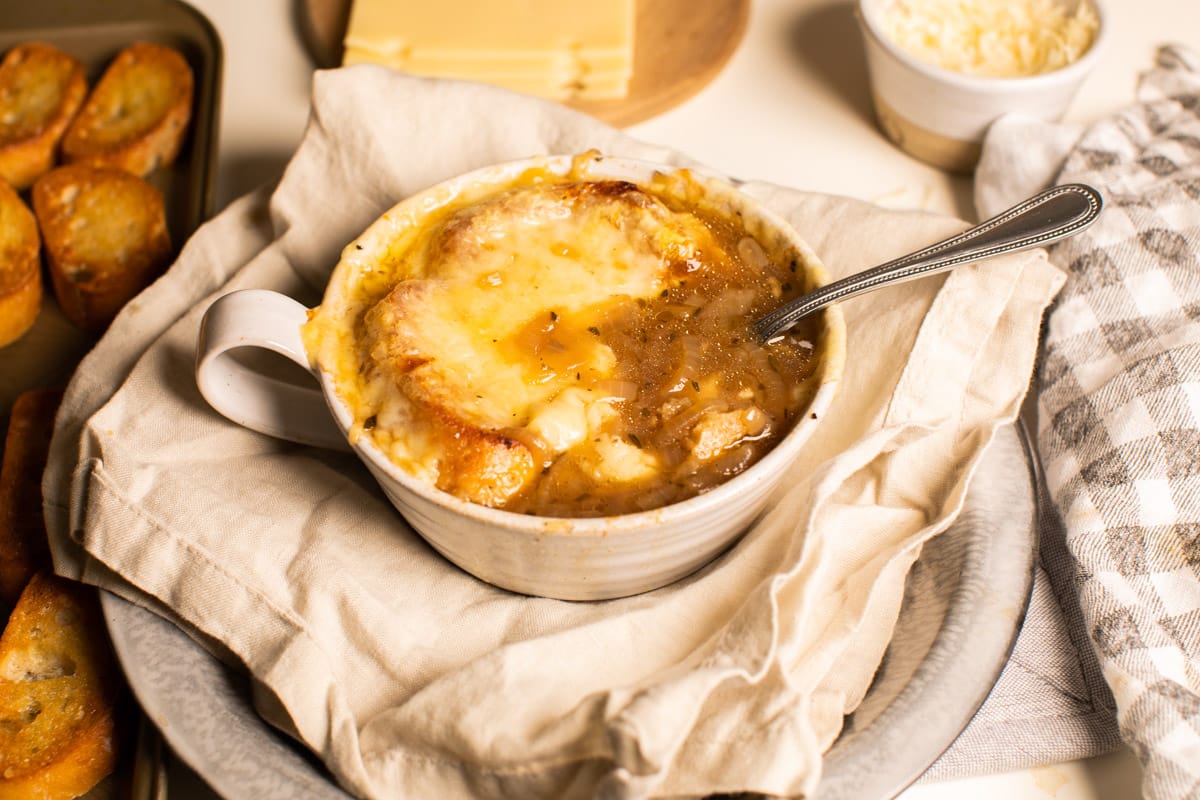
(586, 558)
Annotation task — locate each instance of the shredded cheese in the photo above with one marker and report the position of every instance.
(992, 38)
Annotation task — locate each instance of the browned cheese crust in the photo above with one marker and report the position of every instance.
(568, 347)
(481, 463)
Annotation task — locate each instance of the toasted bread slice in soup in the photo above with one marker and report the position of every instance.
(41, 89)
(20, 267)
(105, 236)
(136, 116)
(58, 690)
(23, 547)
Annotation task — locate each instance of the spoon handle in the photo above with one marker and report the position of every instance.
(1054, 214)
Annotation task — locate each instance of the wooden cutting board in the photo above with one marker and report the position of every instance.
(679, 47)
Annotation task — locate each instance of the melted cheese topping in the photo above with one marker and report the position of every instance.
(563, 347)
(992, 38)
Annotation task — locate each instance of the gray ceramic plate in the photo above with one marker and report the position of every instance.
(963, 606)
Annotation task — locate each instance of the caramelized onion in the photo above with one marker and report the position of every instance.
(616, 390)
(732, 304)
(539, 448)
(690, 364)
(679, 427)
(752, 253)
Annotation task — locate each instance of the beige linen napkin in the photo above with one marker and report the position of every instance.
(408, 677)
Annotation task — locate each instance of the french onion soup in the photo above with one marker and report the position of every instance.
(567, 346)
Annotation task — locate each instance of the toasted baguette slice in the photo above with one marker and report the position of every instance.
(41, 88)
(136, 116)
(104, 232)
(58, 694)
(87, 760)
(23, 547)
(20, 268)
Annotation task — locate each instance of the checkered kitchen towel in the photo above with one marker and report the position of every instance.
(1119, 412)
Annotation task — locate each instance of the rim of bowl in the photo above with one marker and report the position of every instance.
(1077, 69)
(830, 369)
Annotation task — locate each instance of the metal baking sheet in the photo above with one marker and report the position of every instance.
(94, 31)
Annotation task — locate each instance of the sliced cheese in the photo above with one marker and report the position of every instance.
(555, 48)
(596, 58)
(487, 25)
(560, 82)
(608, 61)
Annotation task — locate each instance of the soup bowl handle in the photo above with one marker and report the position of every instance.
(260, 319)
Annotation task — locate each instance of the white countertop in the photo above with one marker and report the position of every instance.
(791, 107)
(792, 102)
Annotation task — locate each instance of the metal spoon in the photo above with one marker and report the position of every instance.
(1052, 215)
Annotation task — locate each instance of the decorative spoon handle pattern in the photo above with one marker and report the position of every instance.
(1052, 215)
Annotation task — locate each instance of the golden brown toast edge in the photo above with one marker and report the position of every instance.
(91, 291)
(26, 156)
(23, 546)
(92, 136)
(58, 693)
(90, 758)
(20, 267)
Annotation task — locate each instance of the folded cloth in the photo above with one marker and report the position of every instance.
(1047, 706)
(1119, 402)
(406, 676)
